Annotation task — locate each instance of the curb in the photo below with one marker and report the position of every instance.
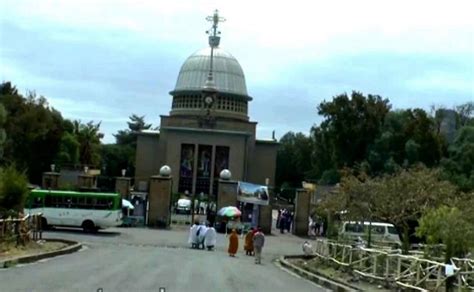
(73, 247)
(316, 278)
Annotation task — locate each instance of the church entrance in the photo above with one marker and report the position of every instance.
(200, 166)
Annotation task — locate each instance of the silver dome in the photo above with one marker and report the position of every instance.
(228, 75)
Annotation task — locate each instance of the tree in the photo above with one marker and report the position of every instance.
(69, 150)
(121, 155)
(34, 131)
(13, 190)
(128, 137)
(449, 226)
(3, 135)
(459, 166)
(116, 157)
(465, 114)
(293, 159)
(400, 199)
(354, 123)
(88, 136)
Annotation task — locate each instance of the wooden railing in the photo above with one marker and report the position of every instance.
(21, 230)
(393, 268)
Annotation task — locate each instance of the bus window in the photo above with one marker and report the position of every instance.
(37, 203)
(74, 202)
(67, 202)
(47, 201)
(101, 204)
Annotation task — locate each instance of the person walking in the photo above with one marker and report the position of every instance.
(248, 245)
(210, 237)
(233, 243)
(258, 242)
(282, 221)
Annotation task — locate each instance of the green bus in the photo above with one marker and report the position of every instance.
(87, 210)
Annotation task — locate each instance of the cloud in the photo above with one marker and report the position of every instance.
(105, 60)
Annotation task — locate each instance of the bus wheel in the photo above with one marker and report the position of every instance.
(88, 226)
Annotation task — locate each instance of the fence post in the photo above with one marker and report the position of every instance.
(375, 265)
(350, 257)
(399, 267)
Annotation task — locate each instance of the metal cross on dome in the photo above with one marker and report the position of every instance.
(215, 19)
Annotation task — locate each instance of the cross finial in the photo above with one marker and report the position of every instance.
(213, 33)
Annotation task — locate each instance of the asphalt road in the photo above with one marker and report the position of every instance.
(144, 260)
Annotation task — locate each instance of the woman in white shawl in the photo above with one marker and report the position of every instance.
(196, 235)
(210, 237)
(193, 235)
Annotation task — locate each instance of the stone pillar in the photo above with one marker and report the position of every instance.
(302, 208)
(159, 199)
(265, 218)
(50, 180)
(122, 186)
(86, 182)
(227, 194)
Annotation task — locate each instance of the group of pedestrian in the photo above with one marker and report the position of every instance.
(202, 236)
(205, 237)
(284, 220)
(253, 243)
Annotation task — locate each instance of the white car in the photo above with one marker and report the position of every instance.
(183, 206)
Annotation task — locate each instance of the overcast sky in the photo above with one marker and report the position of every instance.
(104, 60)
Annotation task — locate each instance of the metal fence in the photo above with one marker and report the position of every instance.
(395, 269)
(21, 230)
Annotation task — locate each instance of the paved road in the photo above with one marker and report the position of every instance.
(137, 259)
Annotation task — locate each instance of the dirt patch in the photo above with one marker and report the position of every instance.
(317, 266)
(9, 250)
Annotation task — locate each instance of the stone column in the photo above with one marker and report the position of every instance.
(122, 186)
(227, 194)
(86, 182)
(50, 180)
(265, 218)
(302, 208)
(159, 199)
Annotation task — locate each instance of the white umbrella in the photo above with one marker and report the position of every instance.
(127, 204)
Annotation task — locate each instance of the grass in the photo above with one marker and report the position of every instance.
(319, 267)
(10, 250)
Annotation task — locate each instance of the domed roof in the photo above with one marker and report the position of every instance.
(228, 75)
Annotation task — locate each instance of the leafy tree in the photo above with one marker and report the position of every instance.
(34, 131)
(121, 155)
(354, 123)
(293, 159)
(88, 136)
(400, 199)
(128, 137)
(449, 226)
(459, 166)
(69, 150)
(116, 157)
(13, 189)
(465, 114)
(3, 135)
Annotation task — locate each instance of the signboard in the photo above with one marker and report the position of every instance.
(252, 193)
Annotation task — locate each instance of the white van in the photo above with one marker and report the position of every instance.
(381, 233)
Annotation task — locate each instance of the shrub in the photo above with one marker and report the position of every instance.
(13, 189)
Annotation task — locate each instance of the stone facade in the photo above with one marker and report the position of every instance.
(159, 199)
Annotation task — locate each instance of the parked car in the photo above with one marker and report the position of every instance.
(381, 233)
(183, 206)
